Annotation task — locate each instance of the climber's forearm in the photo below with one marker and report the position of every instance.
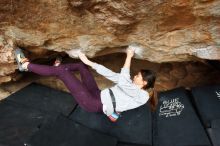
(127, 63)
(85, 60)
(130, 54)
(89, 63)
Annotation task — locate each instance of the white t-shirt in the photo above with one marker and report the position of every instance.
(127, 94)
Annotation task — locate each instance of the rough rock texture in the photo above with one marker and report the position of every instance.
(9, 88)
(174, 30)
(7, 66)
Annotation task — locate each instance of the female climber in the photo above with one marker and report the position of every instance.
(126, 94)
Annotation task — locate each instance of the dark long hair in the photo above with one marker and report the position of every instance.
(150, 77)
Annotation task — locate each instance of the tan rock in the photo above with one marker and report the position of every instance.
(4, 79)
(179, 71)
(3, 94)
(167, 31)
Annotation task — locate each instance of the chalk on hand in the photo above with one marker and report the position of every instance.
(138, 50)
(74, 53)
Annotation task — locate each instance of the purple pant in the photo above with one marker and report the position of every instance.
(85, 92)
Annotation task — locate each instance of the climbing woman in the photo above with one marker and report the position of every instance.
(125, 95)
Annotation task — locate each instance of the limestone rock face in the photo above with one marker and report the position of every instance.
(174, 30)
(7, 66)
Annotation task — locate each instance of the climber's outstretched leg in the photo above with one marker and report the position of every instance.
(86, 76)
(85, 98)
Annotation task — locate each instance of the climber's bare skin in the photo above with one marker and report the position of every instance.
(22, 60)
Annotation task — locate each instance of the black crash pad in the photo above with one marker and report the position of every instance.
(176, 122)
(64, 132)
(214, 132)
(44, 98)
(18, 122)
(129, 144)
(207, 102)
(134, 126)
